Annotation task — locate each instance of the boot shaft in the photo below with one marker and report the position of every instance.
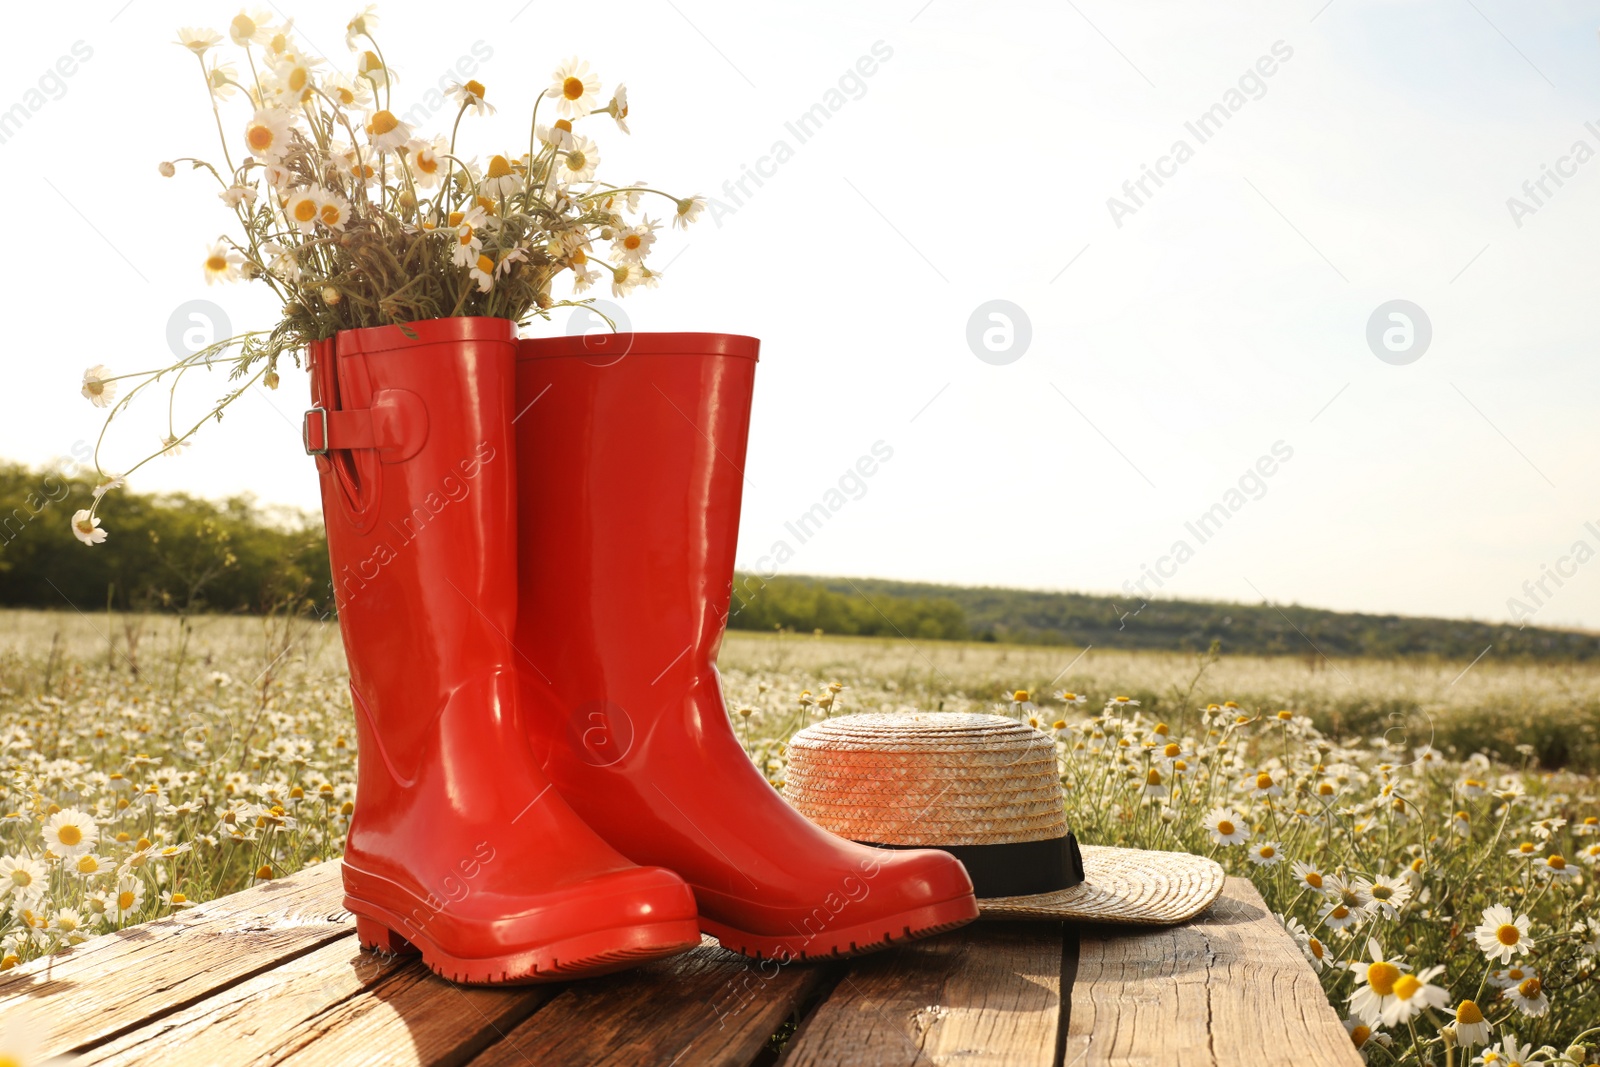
(418, 478)
(631, 450)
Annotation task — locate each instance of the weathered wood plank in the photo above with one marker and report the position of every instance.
(106, 985)
(989, 993)
(334, 1006)
(1229, 988)
(708, 1008)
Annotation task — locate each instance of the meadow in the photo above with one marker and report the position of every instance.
(1427, 830)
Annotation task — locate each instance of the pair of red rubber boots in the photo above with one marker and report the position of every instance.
(532, 546)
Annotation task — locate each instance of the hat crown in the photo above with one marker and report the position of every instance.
(927, 778)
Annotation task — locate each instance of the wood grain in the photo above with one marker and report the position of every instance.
(81, 997)
(1229, 988)
(706, 1007)
(989, 993)
(334, 1006)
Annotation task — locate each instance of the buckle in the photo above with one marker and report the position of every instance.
(321, 449)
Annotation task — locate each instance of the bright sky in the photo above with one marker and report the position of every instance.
(1209, 321)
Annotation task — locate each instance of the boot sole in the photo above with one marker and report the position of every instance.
(595, 953)
(858, 940)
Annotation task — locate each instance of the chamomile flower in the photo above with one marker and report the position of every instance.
(482, 272)
(292, 81)
(1337, 916)
(427, 160)
(22, 879)
(198, 40)
(333, 210)
(1265, 854)
(361, 26)
(1588, 827)
(625, 278)
(1556, 868)
(1506, 977)
(575, 88)
(1385, 896)
(557, 135)
(1263, 785)
(1511, 1053)
(223, 79)
(469, 97)
(1471, 1027)
(67, 927)
(267, 133)
(96, 388)
(250, 27)
(1308, 875)
(1502, 935)
(696, 204)
(501, 179)
(1528, 997)
(578, 162)
(386, 132)
(87, 865)
(1375, 984)
(222, 264)
(370, 66)
(632, 243)
(71, 832)
(355, 94)
(618, 108)
(301, 208)
(86, 527)
(1226, 827)
(1153, 785)
(1414, 993)
(234, 195)
(128, 899)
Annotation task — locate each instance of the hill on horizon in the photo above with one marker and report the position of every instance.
(879, 606)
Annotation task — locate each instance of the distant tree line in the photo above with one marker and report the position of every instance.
(175, 552)
(167, 551)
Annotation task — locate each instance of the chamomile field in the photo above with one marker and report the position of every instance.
(1427, 831)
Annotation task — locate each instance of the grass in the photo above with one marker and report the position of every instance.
(202, 755)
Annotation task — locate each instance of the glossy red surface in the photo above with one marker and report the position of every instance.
(631, 465)
(458, 845)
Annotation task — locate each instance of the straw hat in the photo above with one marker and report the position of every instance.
(988, 790)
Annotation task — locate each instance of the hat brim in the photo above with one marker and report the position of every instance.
(1122, 885)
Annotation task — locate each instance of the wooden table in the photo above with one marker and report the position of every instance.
(273, 975)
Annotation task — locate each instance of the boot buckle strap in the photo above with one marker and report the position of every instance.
(395, 426)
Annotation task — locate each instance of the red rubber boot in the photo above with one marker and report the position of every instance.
(458, 846)
(631, 464)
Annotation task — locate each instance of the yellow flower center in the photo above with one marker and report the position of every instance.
(1360, 1034)
(1468, 1013)
(179, 898)
(1285, 716)
(21, 877)
(474, 88)
(1263, 780)
(1508, 934)
(382, 122)
(632, 243)
(69, 835)
(1172, 750)
(465, 236)
(243, 26)
(331, 215)
(88, 865)
(427, 162)
(1267, 852)
(1316, 947)
(1527, 848)
(1314, 879)
(1529, 988)
(1225, 827)
(499, 167)
(1325, 789)
(346, 97)
(1382, 892)
(577, 161)
(572, 88)
(125, 899)
(1406, 986)
(1162, 729)
(305, 210)
(1556, 863)
(297, 79)
(259, 138)
(486, 264)
(1153, 778)
(1381, 977)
